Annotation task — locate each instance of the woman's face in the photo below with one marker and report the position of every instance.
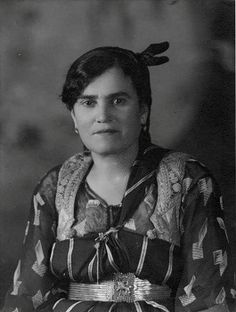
(108, 114)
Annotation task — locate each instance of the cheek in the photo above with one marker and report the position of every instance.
(82, 121)
(133, 125)
(81, 116)
(83, 128)
(134, 118)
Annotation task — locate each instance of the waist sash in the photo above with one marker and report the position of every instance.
(122, 288)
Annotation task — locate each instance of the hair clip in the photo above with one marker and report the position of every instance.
(148, 56)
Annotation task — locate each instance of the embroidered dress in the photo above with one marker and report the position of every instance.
(168, 230)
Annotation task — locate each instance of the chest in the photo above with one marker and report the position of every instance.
(112, 192)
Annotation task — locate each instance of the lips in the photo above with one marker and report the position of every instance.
(105, 131)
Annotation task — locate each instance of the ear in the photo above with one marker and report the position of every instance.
(143, 114)
(73, 117)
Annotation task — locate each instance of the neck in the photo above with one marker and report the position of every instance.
(113, 165)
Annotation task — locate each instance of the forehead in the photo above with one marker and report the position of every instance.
(111, 81)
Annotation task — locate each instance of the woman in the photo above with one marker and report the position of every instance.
(126, 225)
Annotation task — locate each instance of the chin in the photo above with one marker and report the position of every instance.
(107, 149)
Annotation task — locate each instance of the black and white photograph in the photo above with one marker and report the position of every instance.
(117, 152)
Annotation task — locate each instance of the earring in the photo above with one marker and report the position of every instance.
(76, 131)
(143, 120)
(144, 127)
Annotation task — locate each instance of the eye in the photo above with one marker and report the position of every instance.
(88, 103)
(119, 101)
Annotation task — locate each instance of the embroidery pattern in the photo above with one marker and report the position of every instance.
(166, 214)
(69, 180)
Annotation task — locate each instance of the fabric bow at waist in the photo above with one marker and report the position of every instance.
(107, 244)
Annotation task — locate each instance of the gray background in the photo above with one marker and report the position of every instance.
(193, 94)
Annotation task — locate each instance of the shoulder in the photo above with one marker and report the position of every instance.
(172, 166)
(183, 169)
(74, 161)
(47, 185)
(184, 164)
(50, 179)
(77, 163)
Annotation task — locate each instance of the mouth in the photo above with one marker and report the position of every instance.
(108, 131)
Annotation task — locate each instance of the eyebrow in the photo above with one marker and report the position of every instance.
(109, 96)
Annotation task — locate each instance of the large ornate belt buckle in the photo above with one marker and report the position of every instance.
(123, 287)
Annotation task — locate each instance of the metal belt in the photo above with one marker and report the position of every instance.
(122, 288)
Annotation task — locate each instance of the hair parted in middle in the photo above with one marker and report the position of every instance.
(134, 65)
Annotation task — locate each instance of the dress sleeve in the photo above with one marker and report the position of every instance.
(204, 244)
(34, 288)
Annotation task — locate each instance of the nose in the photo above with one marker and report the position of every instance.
(103, 113)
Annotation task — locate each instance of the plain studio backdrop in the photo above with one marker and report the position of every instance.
(193, 94)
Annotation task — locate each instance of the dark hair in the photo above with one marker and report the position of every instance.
(95, 62)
